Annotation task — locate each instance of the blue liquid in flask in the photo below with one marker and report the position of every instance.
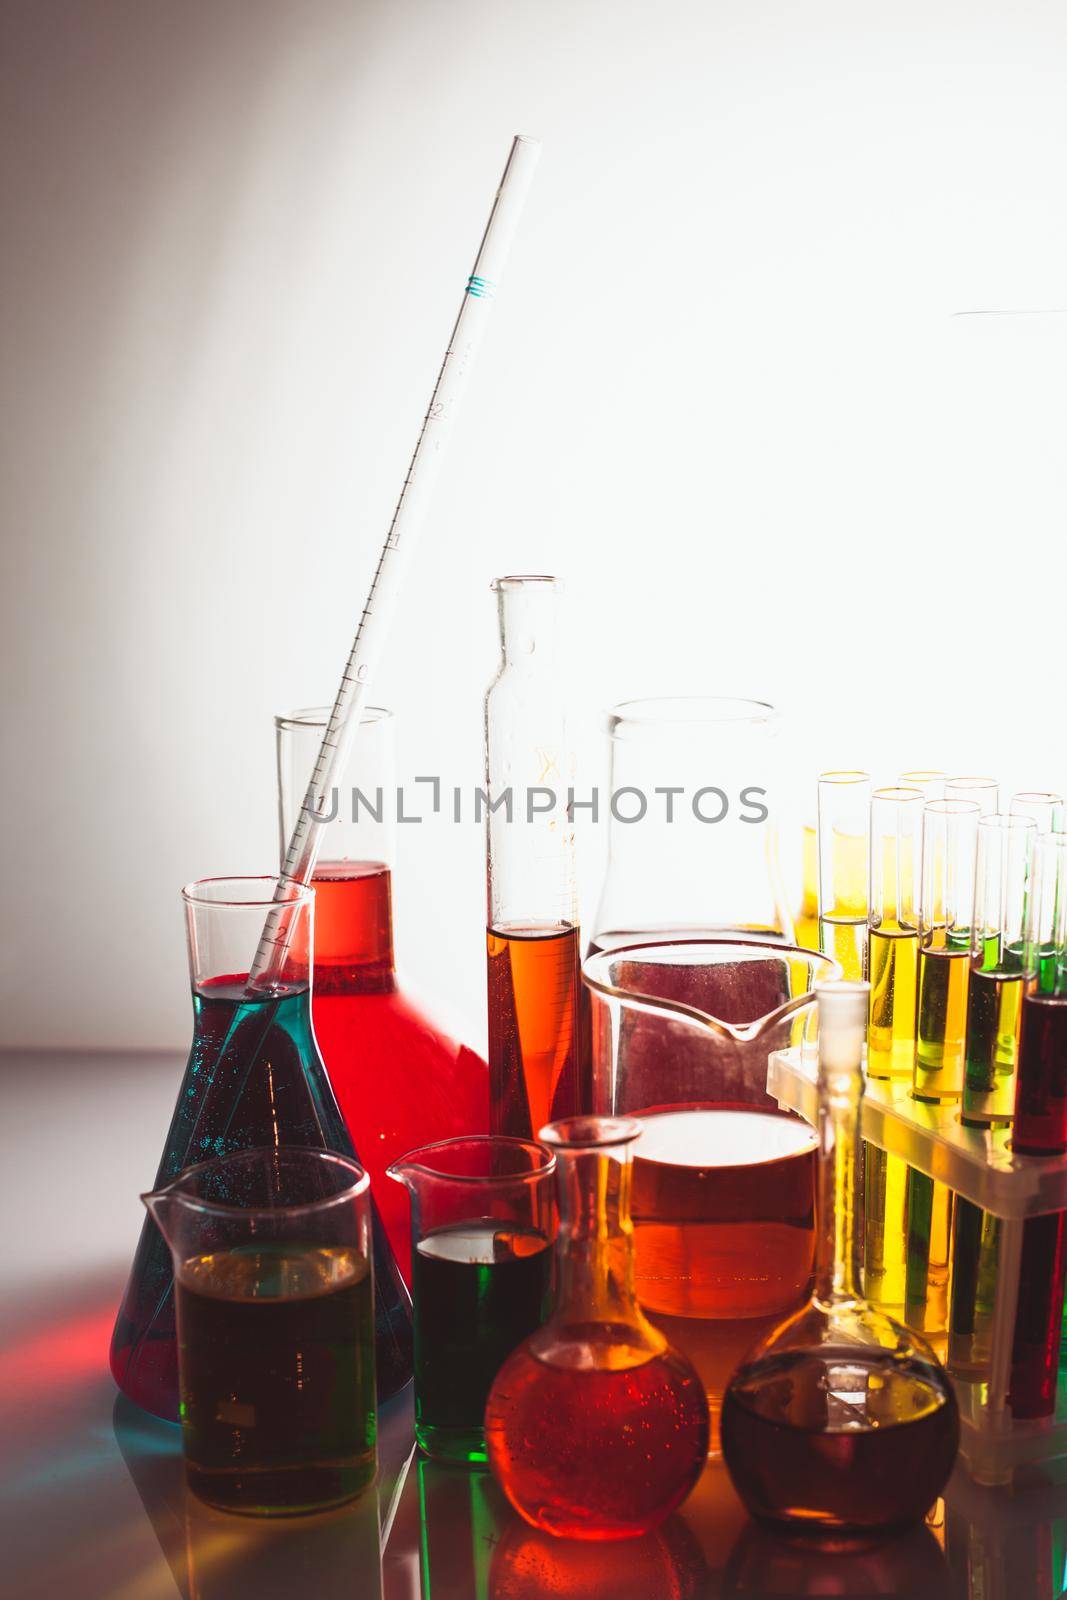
(254, 1078)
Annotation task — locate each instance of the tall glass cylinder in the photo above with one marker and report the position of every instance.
(1040, 1128)
(946, 916)
(844, 863)
(254, 1078)
(532, 939)
(399, 1079)
(693, 824)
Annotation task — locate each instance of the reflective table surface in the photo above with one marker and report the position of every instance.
(94, 1499)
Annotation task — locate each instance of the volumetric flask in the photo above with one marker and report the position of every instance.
(399, 1080)
(693, 833)
(274, 1293)
(724, 1181)
(482, 1222)
(254, 1078)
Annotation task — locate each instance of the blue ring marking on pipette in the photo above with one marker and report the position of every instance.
(481, 288)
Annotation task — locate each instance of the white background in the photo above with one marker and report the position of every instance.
(723, 394)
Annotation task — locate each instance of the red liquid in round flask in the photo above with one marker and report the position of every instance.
(399, 1080)
(595, 1427)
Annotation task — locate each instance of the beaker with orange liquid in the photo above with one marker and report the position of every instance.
(724, 1181)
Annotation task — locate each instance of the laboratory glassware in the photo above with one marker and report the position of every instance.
(892, 966)
(994, 1002)
(1040, 1128)
(415, 495)
(806, 921)
(724, 1184)
(536, 1071)
(994, 1013)
(399, 1080)
(893, 930)
(271, 1253)
(841, 1424)
(254, 1077)
(844, 863)
(482, 1225)
(697, 780)
(596, 1428)
(1043, 807)
(946, 916)
(928, 780)
(981, 792)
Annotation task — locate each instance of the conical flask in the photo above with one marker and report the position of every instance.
(254, 1078)
(400, 1081)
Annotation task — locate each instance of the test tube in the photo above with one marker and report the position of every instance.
(946, 914)
(893, 931)
(844, 852)
(929, 781)
(806, 921)
(892, 960)
(1042, 806)
(994, 1012)
(1040, 1128)
(946, 908)
(994, 1003)
(982, 792)
(1040, 1098)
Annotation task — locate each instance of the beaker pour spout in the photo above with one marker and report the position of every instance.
(162, 1205)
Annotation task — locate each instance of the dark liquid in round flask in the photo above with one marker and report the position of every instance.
(595, 1427)
(842, 1424)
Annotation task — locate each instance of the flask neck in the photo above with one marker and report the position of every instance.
(526, 609)
(836, 1267)
(595, 1245)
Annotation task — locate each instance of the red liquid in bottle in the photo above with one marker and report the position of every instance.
(399, 1081)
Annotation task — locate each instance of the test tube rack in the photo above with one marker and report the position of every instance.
(977, 1164)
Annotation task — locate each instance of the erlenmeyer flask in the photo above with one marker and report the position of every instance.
(696, 853)
(724, 1181)
(841, 1424)
(254, 1078)
(399, 1080)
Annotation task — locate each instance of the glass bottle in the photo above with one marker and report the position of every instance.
(532, 940)
(702, 858)
(596, 1428)
(399, 1080)
(841, 1424)
(254, 1078)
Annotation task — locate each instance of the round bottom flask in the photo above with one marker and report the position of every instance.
(842, 1424)
(595, 1427)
